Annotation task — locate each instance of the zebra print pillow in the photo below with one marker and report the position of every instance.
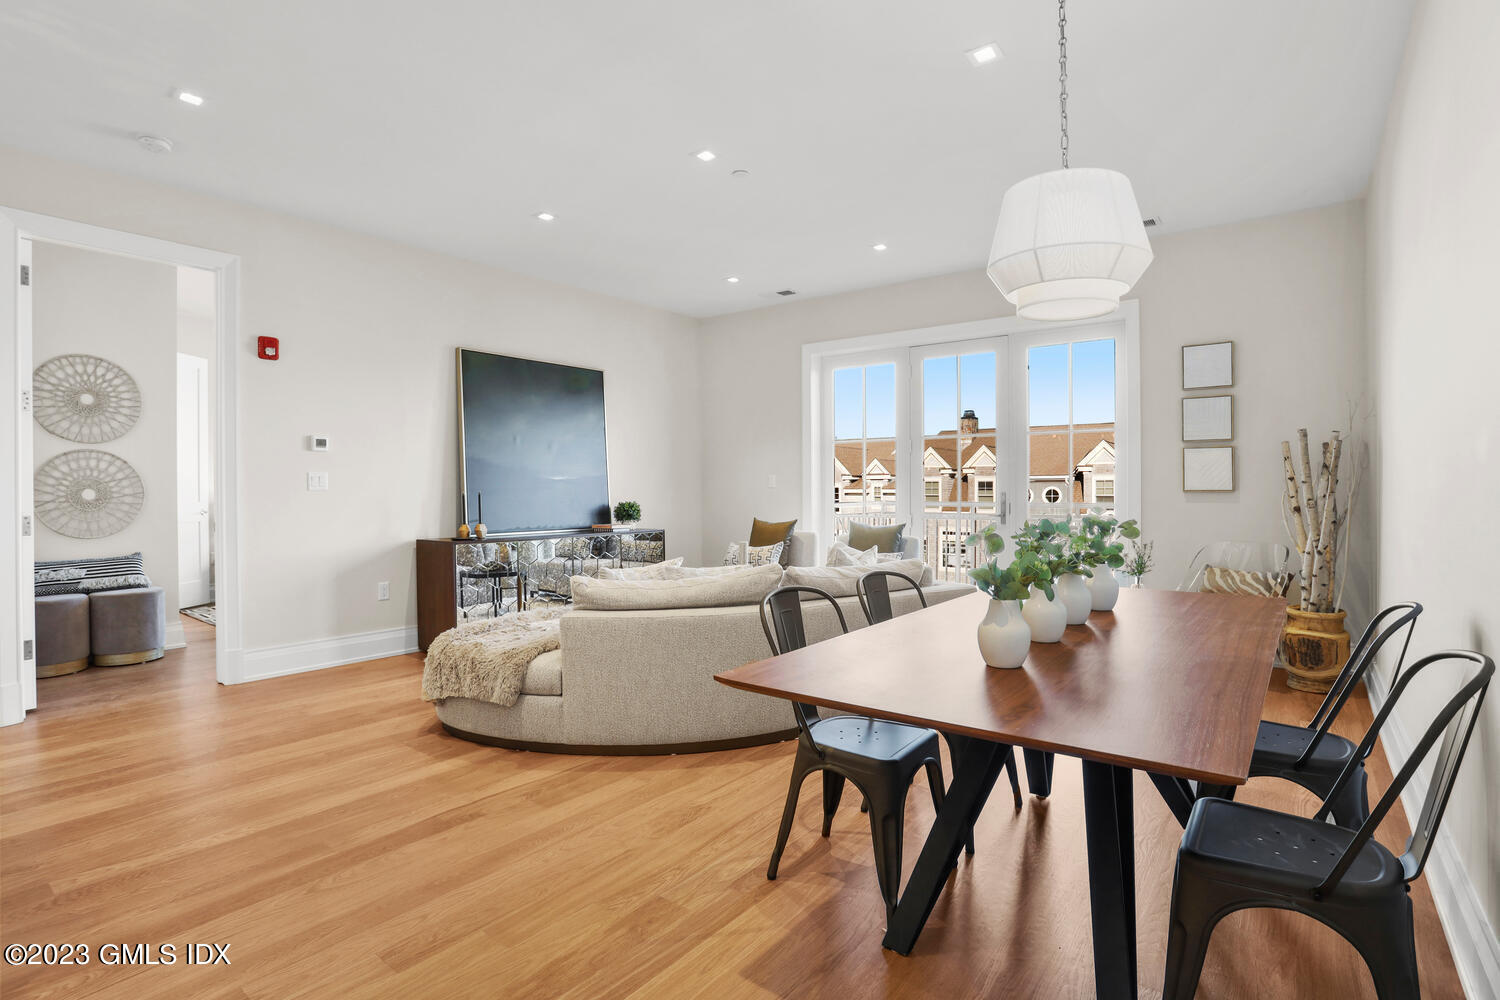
(1219, 580)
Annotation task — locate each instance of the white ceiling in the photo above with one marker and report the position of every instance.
(449, 124)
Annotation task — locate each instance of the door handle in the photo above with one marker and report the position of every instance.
(1004, 505)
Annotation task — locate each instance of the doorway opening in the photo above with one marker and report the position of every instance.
(100, 508)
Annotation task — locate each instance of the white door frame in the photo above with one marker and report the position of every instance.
(17, 611)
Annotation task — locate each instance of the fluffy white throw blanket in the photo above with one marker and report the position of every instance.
(487, 660)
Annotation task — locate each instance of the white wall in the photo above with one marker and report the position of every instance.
(1434, 222)
(123, 310)
(1288, 290)
(368, 330)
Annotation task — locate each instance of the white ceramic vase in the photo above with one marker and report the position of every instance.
(1048, 619)
(1104, 588)
(1004, 636)
(1073, 591)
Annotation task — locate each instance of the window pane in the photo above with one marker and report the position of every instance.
(880, 476)
(880, 401)
(1047, 382)
(848, 403)
(940, 465)
(976, 374)
(1094, 382)
(940, 395)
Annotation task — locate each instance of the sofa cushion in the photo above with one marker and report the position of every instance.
(544, 674)
(747, 586)
(840, 581)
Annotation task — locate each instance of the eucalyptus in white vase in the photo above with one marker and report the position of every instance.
(1098, 546)
(1005, 633)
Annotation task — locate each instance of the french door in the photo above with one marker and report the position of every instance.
(922, 436)
(960, 447)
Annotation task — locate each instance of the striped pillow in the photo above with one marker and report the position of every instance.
(1219, 580)
(107, 573)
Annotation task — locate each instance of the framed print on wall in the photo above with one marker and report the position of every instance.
(1208, 470)
(1208, 418)
(1208, 366)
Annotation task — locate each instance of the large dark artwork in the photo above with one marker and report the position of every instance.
(532, 440)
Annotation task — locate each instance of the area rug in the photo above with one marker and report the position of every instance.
(204, 613)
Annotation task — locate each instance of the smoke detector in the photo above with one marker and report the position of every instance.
(154, 143)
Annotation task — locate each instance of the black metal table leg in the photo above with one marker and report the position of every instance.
(976, 765)
(1178, 794)
(1109, 819)
(1039, 772)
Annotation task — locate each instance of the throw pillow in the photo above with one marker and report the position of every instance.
(654, 571)
(59, 575)
(771, 532)
(1219, 580)
(886, 538)
(745, 554)
(130, 581)
(847, 555)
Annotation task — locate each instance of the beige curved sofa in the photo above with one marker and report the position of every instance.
(641, 682)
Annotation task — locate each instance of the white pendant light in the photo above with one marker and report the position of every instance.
(1070, 242)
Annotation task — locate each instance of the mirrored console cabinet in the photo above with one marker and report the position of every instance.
(466, 579)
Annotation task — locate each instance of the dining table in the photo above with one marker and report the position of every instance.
(1168, 683)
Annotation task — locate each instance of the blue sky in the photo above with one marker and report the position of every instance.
(953, 384)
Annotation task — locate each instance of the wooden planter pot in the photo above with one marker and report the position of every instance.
(1314, 647)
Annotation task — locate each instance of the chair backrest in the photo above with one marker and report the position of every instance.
(781, 618)
(874, 590)
(1455, 723)
(1270, 558)
(1381, 628)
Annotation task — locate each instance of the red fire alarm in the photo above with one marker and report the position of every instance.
(267, 348)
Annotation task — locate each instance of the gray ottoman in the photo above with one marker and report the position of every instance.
(62, 634)
(127, 626)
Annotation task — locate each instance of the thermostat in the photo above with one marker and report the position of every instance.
(317, 442)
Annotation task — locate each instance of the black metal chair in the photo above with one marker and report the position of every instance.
(875, 600)
(881, 758)
(1236, 856)
(1310, 755)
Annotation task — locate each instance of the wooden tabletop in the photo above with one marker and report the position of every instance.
(1168, 682)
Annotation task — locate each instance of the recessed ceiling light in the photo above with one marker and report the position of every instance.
(733, 281)
(189, 98)
(545, 216)
(987, 53)
(705, 155)
(878, 246)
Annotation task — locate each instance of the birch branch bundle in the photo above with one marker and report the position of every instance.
(1311, 510)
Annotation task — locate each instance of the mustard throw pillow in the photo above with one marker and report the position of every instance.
(771, 532)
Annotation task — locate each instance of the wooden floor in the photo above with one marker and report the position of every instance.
(344, 846)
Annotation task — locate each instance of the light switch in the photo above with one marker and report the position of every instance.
(771, 481)
(383, 590)
(317, 481)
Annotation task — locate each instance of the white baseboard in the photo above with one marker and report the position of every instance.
(316, 654)
(174, 637)
(1471, 937)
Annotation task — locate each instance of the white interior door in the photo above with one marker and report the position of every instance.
(960, 447)
(194, 483)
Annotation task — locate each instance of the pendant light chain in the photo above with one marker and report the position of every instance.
(1062, 74)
